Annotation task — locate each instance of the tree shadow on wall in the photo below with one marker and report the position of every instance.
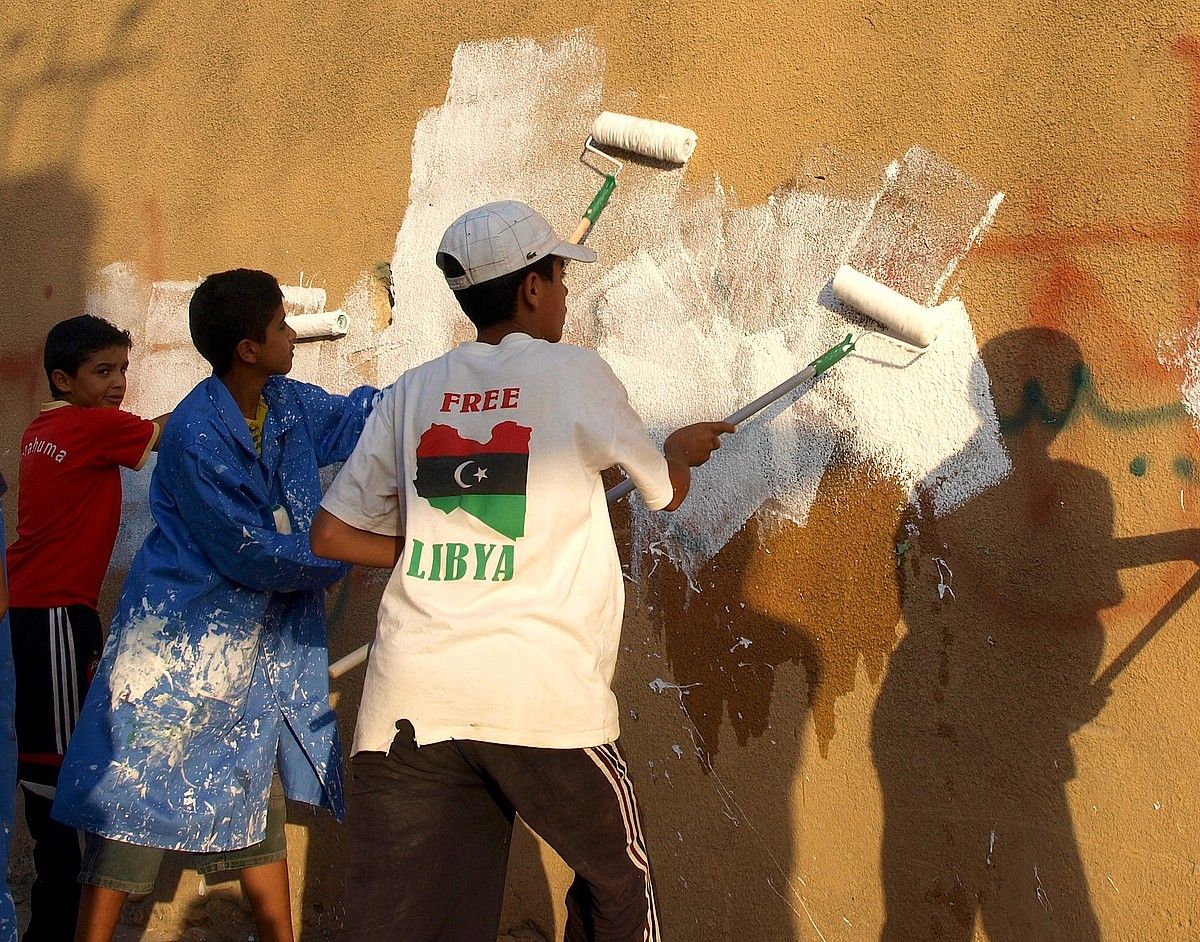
(971, 731)
(47, 214)
(48, 220)
(823, 597)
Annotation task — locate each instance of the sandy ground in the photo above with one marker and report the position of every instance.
(211, 933)
(221, 924)
(134, 934)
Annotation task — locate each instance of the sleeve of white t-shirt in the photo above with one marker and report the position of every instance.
(622, 439)
(366, 492)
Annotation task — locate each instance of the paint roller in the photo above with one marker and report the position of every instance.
(323, 325)
(655, 140)
(904, 321)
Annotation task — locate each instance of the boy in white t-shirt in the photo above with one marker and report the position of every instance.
(478, 478)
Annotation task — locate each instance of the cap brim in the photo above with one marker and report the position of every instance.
(580, 253)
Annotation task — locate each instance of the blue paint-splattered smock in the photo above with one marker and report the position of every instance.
(216, 664)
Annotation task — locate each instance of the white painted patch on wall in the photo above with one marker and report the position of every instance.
(698, 303)
(1181, 352)
(164, 366)
(732, 301)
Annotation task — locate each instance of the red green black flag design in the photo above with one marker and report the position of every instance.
(485, 479)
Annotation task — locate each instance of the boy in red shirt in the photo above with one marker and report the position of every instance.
(68, 513)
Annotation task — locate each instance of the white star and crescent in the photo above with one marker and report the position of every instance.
(479, 475)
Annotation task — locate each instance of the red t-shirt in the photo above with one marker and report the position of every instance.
(69, 501)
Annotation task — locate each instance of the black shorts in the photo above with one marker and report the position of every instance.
(55, 653)
(430, 828)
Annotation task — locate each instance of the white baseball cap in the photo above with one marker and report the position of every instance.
(501, 238)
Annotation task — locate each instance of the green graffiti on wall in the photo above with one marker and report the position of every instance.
(1084, 399)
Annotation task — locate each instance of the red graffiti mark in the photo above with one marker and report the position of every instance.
(1056, 244)
(23, 374)
(1065, 294)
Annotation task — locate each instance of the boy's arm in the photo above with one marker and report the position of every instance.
(161, 422)
(123, 438)
(687, 448)
(336, 421)
(333, 538)
(629, 445)
(1131, 551)
(361, 519)
(222, 516)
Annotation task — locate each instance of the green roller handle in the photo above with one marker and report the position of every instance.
(579, 236)
(601, 198)
(818, 366)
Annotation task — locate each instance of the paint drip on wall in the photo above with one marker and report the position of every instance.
(699, 304)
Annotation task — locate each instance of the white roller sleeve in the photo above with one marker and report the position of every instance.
(326, 324)
(903, 318)
(667, 142)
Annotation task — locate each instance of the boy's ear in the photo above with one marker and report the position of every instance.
(533, 283)
(529, 289)
(246, 351)
(62, 380)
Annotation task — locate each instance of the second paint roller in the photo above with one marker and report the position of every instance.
(654, 140)
(323, 325)
(903, 320)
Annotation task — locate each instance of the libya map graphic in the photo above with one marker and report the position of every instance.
(485, 479)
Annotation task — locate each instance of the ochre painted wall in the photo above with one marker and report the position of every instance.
(883, 744)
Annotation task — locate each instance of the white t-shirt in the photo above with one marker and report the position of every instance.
(502, 620)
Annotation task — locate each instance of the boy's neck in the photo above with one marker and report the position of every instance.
(494, 333)
(246, 387)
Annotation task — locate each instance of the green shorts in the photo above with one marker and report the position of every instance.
(133, 868)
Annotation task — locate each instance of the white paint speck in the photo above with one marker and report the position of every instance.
(945, 578)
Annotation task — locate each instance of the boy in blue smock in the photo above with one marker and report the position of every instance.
(215, 672)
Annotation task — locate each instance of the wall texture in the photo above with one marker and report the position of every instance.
(876, 682)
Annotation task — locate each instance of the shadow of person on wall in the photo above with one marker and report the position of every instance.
(972, 727)
(776, 596)
(725, 887)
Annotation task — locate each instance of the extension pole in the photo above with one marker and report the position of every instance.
(812, 371)
(1134, 648)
